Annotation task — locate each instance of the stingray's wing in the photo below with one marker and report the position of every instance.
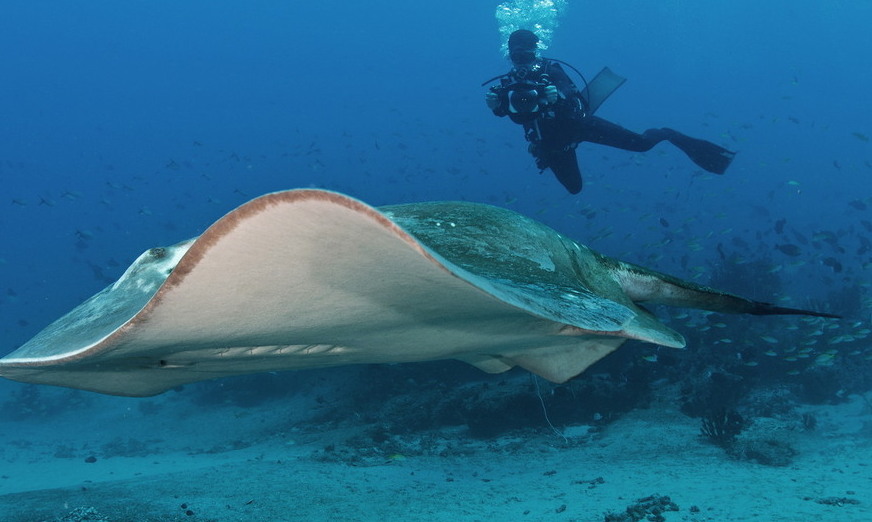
(310, 278)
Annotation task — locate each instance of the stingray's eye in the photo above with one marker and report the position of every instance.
(158, 253)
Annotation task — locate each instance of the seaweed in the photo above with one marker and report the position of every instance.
(722, 427)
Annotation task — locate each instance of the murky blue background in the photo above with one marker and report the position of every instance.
(127, 125)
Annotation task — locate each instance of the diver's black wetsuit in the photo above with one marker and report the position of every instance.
(554, 130)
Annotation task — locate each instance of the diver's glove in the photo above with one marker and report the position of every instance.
(492, 100)
(551, 93)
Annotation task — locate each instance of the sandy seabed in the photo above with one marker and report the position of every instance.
(165, 459)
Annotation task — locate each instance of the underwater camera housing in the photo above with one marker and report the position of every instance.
(522, 98)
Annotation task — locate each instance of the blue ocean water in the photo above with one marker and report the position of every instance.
(128, 125)
(131, 125)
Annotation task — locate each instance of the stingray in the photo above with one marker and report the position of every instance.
(311, 278)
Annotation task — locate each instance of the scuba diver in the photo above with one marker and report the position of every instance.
(538, 94)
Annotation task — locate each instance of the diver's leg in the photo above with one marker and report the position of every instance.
(548, 144)
(597, 130)
(564, 165)
(705, 154)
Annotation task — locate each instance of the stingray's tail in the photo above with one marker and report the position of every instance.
(758, 308)
(643, 285)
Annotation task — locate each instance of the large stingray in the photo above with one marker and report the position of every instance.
(309, 278)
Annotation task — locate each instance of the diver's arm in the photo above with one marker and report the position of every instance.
(496, 101)
(562, 80)
(571, 102)
(492, 100)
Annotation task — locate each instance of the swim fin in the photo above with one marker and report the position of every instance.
(601, 87)
(706, 154)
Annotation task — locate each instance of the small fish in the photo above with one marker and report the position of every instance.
(859, 205)
(789, 249)
(650, 358)
(833, 263)
(779, 226)
(860, 136)
(769, 339)
(824, 359)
